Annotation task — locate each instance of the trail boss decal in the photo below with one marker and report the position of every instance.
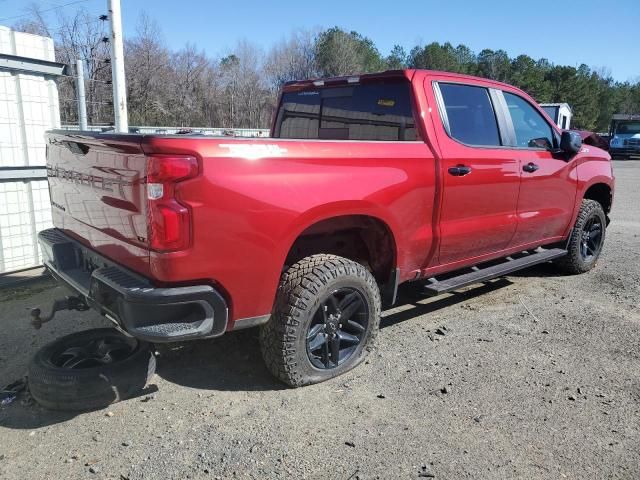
(254, 151)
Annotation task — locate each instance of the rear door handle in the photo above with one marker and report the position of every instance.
(530, 167)
(459, 170)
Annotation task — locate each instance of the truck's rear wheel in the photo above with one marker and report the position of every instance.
(325, 319)
(586, 240)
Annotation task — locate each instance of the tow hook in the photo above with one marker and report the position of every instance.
(67, 303)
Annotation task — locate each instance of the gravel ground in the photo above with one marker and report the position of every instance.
(533, 376)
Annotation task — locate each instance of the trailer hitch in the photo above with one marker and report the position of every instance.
(67, 303)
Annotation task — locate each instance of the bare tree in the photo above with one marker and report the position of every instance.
(252, 88)
(147, 65)
(292, 59)
(247, 97)
(82, 36)
(78, 36)
(189, 66)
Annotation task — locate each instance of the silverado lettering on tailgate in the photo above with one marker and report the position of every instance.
(94, 181)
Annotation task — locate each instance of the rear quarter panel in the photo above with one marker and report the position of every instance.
(256, 196)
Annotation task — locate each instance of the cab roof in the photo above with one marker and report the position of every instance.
(408, 74)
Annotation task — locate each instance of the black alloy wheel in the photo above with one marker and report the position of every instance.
(324, 321)
(93, 352)
(591, 238)
(337, 328)
(586, 240)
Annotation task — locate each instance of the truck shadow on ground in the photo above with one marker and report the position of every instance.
(233, 362)
(230, 363)
(411, 303)
(540, 270)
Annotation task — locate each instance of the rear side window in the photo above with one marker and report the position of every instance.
(531, 129)
(373, 111)
(470, 114)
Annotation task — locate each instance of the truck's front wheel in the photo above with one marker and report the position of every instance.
(586, 239)
(325, 319)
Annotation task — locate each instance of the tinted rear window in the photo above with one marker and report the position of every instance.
(375, 112)
(470, 114)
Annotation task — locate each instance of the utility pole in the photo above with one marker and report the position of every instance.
(117, 68)
(82, 102)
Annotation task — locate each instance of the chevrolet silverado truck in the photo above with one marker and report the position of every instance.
(366, 182)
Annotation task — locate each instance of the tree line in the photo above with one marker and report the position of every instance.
(189, 88)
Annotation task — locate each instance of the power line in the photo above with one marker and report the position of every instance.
(88, 101)
(62, 30)
(69, 28)
(106, 82)
(44, 10)
(92, 80)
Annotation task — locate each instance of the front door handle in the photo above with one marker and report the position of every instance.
(530, 167)
(460, 170)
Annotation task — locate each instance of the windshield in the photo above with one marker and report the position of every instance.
(628, 128)
(374, 111)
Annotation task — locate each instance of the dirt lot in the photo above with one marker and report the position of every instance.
(536, 376)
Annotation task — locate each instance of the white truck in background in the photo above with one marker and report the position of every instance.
(624, 133)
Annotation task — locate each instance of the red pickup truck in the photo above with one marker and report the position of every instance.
(366, 182)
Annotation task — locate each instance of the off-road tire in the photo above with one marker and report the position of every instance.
(88, 388)
(302, 288)
(573, 263)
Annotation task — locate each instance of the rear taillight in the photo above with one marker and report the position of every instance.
(169, 220)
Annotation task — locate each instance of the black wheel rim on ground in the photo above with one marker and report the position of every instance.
(591, 239)
(93, 353)
(337, 328)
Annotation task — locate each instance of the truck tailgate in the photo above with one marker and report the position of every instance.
(97, 193)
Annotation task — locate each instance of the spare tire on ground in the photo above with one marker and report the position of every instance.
(89, 370)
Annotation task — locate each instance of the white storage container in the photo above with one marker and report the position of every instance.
(28, 107)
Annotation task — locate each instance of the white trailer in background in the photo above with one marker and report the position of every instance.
(28, 107)
(560, 113)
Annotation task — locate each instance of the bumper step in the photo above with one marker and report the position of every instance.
(510, 265)
(146, 311)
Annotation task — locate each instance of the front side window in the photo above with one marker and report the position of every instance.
(531, 130)
(470, 114)
(372, 111)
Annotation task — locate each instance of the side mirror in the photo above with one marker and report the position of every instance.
(542, 142)
(570, 142)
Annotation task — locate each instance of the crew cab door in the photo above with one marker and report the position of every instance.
(548, 180)
(480, 178)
